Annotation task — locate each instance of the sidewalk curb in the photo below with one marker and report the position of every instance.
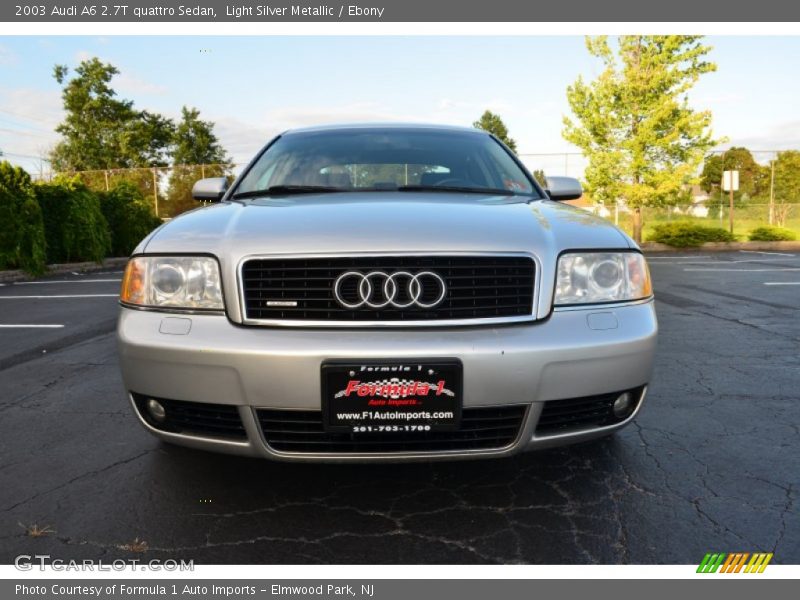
(653, 247)
(65, 269)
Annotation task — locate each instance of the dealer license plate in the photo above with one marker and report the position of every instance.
(392, 396)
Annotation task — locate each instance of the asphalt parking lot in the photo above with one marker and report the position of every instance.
(712, 464)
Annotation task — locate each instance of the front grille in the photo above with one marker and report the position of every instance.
(194, 418)
(576, 414)
(477, 287)
(480, 429)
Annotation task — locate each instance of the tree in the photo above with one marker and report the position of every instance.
(101, 131)
(634, 124)
(196, 153)
(751, 175)
(194, 141)
(539, 176)
(787, 184)
(494, 124)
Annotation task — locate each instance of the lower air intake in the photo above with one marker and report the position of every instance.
(194, 418)
(302, 431)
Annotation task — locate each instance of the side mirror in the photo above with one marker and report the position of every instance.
(563, 188)
(211, 189)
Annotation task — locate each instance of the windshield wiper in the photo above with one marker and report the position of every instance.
(453, 188)
(286, 190)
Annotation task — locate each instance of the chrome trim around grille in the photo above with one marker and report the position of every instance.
(387, 324)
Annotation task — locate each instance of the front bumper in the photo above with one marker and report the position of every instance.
(209, 359)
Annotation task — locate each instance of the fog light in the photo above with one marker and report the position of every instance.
(158, 413)
(623, 405)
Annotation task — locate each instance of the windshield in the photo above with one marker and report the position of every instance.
(389, 159)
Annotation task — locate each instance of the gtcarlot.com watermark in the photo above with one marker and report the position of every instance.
(42, 562)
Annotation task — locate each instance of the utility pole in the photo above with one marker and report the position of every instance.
(772, 191)
(730, 183)
(721, 187)
(155, 189)
(731, 198)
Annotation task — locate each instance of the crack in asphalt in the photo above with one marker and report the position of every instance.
(77, 478)
(100, 329)
(750, 300)
(318, 541)
(511, 512)
(695, 502)
(399, 519)
(750, 325)
(45, 387)
(787, 510)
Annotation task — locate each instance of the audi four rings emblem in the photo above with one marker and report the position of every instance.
(401, 289)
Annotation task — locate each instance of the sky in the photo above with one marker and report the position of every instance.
(255, 87)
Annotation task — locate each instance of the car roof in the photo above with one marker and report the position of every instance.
(342, 127)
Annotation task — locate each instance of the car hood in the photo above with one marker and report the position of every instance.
(384, 222)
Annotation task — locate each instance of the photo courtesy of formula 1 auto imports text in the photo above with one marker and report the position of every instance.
(306, 301)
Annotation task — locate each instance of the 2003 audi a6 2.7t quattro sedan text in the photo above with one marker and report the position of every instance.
(386, 293)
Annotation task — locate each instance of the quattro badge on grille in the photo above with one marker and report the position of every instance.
(378, 289)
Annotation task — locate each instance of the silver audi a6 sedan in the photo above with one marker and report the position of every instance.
(393, 292)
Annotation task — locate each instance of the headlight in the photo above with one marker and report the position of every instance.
(188, 282)
(595, 277)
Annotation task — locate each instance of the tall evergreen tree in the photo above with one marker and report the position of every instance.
(492, 123)
(196, 153)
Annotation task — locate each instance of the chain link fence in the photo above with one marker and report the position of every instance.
(746, 217)
(170, 190)
(756, 204)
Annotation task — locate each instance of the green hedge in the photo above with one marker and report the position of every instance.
(130, 217)
(64, 221)
(22, 240)
(772, 234)
(74, 225)
(685, 234)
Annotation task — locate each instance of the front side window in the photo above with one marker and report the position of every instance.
(355, 160)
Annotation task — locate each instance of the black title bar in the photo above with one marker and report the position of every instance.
(403, 10)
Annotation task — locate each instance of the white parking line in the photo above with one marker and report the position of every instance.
(692, 257)
(740, 261)
(747, 270)
(28, 326)
(60, 296)
(66, 281)
(761, 252)
(729, 262)
(782, 283)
